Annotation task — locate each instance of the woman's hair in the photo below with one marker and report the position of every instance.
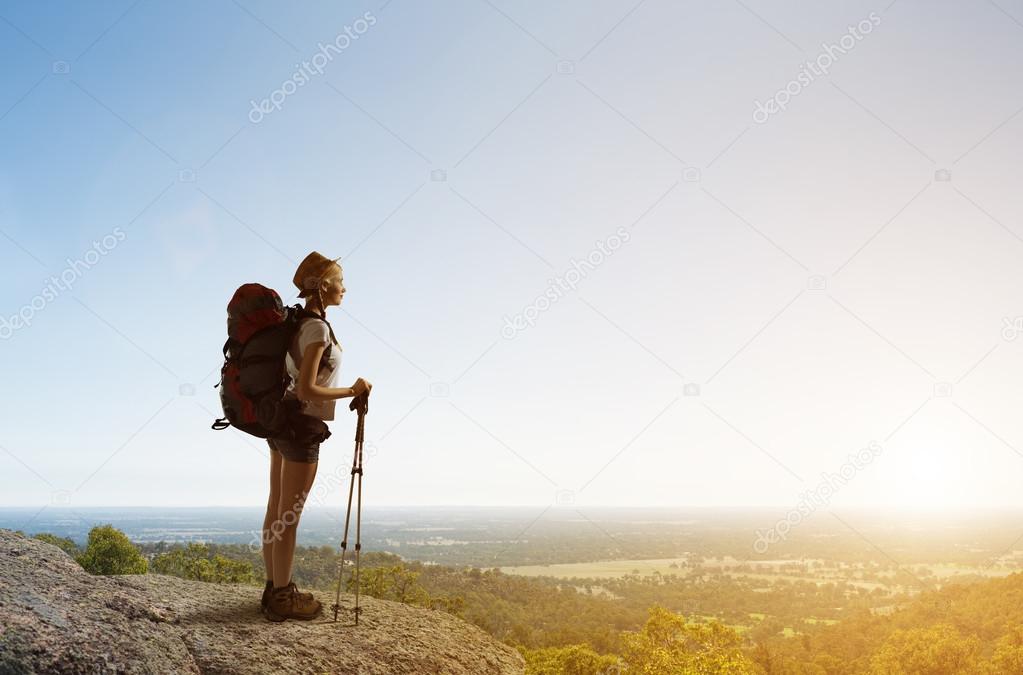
(334, 265)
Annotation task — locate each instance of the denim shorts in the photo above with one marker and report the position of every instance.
(295, 451)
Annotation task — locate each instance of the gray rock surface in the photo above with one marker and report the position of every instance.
(57, 618)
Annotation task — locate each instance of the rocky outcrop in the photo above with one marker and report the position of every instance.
(57, 618)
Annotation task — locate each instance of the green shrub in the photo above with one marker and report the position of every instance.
(109, 551)
(391, 582)
(571, 660)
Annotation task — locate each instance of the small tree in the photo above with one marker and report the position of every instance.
(393, 582)
(454, 604)
(670, 644)
(934, 650)
(570, 660)
(229, 571)
(109, 551)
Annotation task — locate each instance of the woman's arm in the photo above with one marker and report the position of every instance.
(307, 389)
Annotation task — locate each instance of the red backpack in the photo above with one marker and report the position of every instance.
(254, 376)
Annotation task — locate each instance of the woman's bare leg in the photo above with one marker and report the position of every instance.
(272, 510)
(296, 481)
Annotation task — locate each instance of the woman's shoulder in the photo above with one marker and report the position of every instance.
(313, 330)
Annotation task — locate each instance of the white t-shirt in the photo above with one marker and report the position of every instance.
(314, 331)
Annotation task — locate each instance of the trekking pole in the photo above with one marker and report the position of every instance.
(361, 405)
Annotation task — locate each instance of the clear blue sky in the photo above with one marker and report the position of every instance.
(814, 275)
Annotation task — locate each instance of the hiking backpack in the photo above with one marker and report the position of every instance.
(255, 376)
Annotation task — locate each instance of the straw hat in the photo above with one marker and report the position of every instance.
(311, 271)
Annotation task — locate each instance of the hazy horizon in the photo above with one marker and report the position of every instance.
(908, 511)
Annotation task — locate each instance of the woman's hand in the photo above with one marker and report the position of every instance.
(361, 387)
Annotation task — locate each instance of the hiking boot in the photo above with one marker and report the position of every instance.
(289, 603)
(268, 588)
(306, 596)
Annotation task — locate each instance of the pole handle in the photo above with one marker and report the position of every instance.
(360, 403)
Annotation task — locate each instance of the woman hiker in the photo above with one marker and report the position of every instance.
(293, 463)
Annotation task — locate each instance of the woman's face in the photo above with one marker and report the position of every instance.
(333, 288)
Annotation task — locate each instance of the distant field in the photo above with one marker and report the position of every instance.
(608, 569)
(945, 571)
(764, 570)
